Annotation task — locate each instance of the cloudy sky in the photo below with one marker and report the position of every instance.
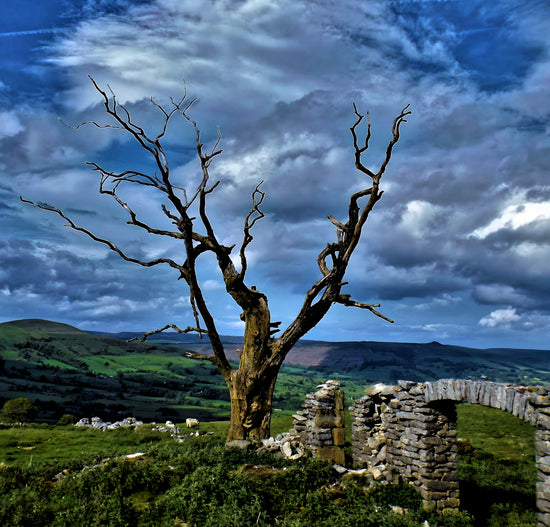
(457, 250)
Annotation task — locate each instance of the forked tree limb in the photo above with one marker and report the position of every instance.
(108, 243)
(252, 217)
(326, 291)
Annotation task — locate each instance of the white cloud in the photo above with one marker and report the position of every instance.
(418, 217)
(107, 305)
(255, 53)
(500, 318)
(9, 124)
(514, 217)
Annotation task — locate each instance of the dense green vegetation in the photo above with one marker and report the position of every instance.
(198, 482)
(497, 463)
(19, 410)
(59, 475)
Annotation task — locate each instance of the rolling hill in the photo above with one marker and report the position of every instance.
(68, 370)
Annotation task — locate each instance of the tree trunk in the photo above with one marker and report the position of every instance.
(251, 385)
(251, 395)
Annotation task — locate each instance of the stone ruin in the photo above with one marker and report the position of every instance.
(320, 425)
(128, 422)
(407, 432)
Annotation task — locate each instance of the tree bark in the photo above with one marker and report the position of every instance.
(251, 404)
(251, 385)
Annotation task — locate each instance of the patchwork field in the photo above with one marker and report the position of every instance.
(65, 370)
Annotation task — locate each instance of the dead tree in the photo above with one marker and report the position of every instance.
(251, 383)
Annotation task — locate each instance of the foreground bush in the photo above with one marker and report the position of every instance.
(507, 487)
(56, 476)
(201, 483)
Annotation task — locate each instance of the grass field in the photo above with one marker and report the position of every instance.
(500, 433)
(36, 444)
(497, 476)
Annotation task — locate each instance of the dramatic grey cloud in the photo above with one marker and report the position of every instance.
(456, 250)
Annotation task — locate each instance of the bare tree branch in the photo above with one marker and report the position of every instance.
(131, 176)
(108, 243)
(347, 301)
(200, 356)
(326, 291)
(188, 329)
(255, 214)
(133, 217)
(399, 120)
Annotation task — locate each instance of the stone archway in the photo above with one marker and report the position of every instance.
(409, 430)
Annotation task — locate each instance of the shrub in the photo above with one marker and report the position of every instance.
(402, 495)
(19, 410)
(66, 419)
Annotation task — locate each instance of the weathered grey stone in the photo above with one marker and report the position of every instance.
(520, 400)
(542, 420)
(415, 438)
(543, 519)
(380, 389)
(543, 464)
(540, 399)
(542, 448)
(543, 505)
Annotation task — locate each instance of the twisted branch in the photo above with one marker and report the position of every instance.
(326, 291)
(108, 243)
(255, 214)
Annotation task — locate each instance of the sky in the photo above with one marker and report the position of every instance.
(458, 248)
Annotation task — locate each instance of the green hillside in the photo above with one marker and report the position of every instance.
(38, 325)
(65, 370)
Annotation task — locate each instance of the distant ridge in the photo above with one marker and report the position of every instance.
(369, 360)
(38, 325)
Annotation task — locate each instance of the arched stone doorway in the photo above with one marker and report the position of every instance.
(410, 430)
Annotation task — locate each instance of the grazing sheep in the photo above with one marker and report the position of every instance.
(191, 422)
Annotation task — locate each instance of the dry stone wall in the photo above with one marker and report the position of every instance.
(407, 432)
(397, 435)
(320, 425)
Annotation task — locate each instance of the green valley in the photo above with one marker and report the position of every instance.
(63, 369)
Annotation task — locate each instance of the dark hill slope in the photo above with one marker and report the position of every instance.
(38, 325)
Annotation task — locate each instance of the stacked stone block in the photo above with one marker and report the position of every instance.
(321, 423)
(371, 422)
(408, 431)
(397, 435)
(540, 402)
